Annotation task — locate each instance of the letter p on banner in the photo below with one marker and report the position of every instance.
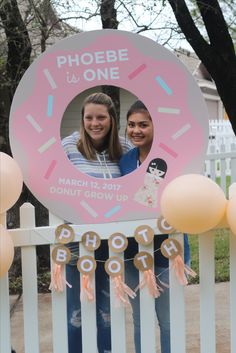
(64, 234)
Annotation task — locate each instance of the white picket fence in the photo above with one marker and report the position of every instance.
(220, 161)
(220, 164)
(29, 236)
(221, 133)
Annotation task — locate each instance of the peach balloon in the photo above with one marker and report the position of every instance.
(223, 224)
(6, 251)
(193, 203)
(231, 213)
(11, 182)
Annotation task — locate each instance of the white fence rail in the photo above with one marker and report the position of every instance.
(28, 237)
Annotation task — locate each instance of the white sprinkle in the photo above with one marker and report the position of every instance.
(46, 145)
(89, 209)
(181, 131)
(50, 79)
(168, 110)
(34, 123)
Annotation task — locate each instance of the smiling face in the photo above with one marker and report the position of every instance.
(97, 123)
(140, 130)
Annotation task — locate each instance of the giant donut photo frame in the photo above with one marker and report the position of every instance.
(95, 58)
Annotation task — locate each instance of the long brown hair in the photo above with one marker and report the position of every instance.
(112, 142)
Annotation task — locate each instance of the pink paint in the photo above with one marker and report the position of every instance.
(137, 71)
(50, 169)
(168, 150)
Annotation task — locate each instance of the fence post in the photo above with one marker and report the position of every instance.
(232, 191)
(177, 310)
(5, 328)
(233, 163)
(147, 312)
(223, 169)
(88, 313)
(59, 309)
(29, 281)
(207, 292)
(118, 336)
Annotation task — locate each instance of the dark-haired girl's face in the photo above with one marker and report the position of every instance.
(97, 123)
(140, 130)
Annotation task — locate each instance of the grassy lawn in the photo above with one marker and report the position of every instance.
(228, 183)
(221, 256)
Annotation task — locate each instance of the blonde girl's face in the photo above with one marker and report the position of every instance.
(140, 130)
(97, 123)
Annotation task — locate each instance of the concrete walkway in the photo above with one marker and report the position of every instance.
(192, 322)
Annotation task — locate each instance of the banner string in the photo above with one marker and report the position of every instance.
(73, 255)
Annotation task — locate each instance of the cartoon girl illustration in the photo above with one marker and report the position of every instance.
(147, 194)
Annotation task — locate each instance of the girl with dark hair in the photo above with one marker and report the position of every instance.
(140, 133)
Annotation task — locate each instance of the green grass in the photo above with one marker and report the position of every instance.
(43, 282)
(193, 242)
(221, 256)
(228, 183)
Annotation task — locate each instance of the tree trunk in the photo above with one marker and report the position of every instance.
(218, 55)
(18, 60)
(108, 14)
(18, 42)
(109, 20)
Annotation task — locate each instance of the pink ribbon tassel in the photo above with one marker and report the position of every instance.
(149, 280)
(86, 289)
(122, 291)
(181, 270)
(57, 279)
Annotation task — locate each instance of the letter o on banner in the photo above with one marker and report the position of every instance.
(86, 265)
(118, 242)
(114, 266)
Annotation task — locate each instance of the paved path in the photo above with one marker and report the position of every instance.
(192, 322)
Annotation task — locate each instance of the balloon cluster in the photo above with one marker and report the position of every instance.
(11, 182)
(194, 204)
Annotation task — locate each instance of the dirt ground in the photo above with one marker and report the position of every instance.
(192, 322)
